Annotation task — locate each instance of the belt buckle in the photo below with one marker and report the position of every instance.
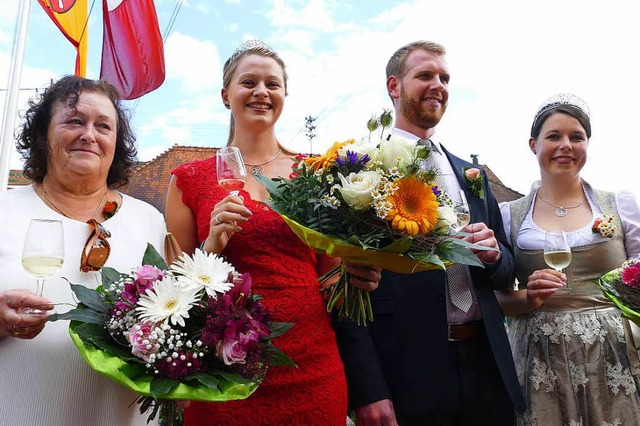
(450, 333)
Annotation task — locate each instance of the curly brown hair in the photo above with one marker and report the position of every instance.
(32, 138)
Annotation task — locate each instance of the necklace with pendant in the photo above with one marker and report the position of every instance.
(562, 211)
(256, 169)
(59, 210)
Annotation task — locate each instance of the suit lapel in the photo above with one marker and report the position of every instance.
(475, 203)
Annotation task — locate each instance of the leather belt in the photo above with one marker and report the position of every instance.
(467, 331)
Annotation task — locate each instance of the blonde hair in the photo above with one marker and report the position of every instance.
(250, 47)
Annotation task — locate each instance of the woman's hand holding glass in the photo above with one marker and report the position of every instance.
(223, 223)
(14, 322)
(542, 284)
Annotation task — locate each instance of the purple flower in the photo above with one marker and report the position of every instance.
(240, 292)
(234, 346)
(353, 162)
(436, 190)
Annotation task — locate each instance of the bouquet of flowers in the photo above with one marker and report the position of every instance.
(622, 287)
(193, 331)
(370, 203)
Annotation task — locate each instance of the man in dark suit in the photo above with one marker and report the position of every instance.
(427, 358)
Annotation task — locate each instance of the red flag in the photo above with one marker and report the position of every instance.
(70, 16)
(132, 51)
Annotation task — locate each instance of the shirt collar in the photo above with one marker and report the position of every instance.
(435, 140)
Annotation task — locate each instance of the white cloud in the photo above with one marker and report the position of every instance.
(232, 28)
(196, 63)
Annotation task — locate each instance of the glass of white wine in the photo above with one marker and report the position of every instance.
(557, 252)
(42, 253)
(463, 214)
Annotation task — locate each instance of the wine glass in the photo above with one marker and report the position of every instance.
(42, 253)
(557, 253)
(232, 173)
(463, 214)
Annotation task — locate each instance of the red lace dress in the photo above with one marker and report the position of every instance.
(283, 272)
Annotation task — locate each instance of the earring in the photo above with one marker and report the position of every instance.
(227, 106)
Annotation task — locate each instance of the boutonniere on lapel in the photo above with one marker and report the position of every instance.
(604, 226)
(475, 181)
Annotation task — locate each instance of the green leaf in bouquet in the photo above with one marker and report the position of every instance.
(456, 251)
(153, 258)
(78, 314)
(273, 186)
(277, 358)
(162, 386)
(233, 377)
(278, 329)
(110, 275)
(399, 246)
(98, 337)
(90, 298)
(429, 258)
(208, 380)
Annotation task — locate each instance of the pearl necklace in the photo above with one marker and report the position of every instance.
(59, 210)
(562, 211)
(256, 169)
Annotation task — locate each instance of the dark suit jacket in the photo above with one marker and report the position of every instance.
(403, 354)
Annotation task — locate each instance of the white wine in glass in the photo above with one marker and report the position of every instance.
(42, 253)
(463, 214)
(230, 168)
(557, 252)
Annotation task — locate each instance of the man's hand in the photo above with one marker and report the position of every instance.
(379, 413)
(365, 277)
(483, 236)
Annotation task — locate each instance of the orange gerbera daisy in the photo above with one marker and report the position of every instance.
(323, 161)
(414, 207)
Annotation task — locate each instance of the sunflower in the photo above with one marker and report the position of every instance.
(324, 161)
(414, 209)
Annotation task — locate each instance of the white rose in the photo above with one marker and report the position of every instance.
(362, 148)
(357, 188)
(396, 151)
(446, 217)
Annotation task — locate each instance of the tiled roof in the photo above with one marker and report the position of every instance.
(500, 191)
(16, 178)
(150, 180)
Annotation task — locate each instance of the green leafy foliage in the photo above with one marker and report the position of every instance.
(153, 258)
(278, 329)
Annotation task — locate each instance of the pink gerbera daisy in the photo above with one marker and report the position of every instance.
(631, 276)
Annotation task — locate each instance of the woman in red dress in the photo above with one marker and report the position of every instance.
(256, 240)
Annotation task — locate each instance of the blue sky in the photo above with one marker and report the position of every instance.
(505, 58)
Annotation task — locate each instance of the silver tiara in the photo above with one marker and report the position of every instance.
(560, 99)
(250, 45)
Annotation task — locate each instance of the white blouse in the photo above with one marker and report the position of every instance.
(531, 237)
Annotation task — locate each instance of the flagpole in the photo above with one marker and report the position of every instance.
(11, 103)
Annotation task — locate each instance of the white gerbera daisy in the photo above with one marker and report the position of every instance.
(204, 271)
(166, 302)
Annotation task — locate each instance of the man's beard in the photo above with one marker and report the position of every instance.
(412, 109)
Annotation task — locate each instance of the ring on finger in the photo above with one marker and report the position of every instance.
(217, 218)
